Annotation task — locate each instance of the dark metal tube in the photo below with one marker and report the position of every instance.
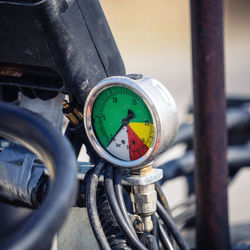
(210, 124)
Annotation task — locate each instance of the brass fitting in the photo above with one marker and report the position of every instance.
(144, 199)
(72, 113)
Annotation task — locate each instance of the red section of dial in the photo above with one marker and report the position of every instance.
(136, 147)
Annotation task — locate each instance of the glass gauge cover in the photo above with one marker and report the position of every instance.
(128, 121)
(122, 123)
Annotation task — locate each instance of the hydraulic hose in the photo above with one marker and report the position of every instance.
(91, 189)
(119, 196)
(151, 242)
(165, 240)
(237, 156)
(235, 117)
(162, 197)
(172, 227)
(155, 230)
(110, 226)
(110, 193)
(39, 136)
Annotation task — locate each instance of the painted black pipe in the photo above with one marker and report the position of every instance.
(210, 125)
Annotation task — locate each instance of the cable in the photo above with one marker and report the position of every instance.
(237, 156)
(110, 193)
(172, 227)
(235, 118)
(119, 196)
(162, 197)
(155, 231)
(95, 223)
(165, 240)
(164, 202)
(114, 235)
(151, 242)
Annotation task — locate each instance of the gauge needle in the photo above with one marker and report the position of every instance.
(125, 122)
(130, 116)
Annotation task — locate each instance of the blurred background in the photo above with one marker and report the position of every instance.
(154, 39)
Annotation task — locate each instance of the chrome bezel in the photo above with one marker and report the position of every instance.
(131, 84)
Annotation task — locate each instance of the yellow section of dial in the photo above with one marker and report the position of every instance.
(144, 130)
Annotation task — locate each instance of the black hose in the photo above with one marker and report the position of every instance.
(94, 220)
(39, 136)
(110, 193)
(155, 231)
(237, 157)
(172, 227)
(162, 197)
(235, 117)
(151, 242)
(114, 235)
(119, 196)
(165, 239)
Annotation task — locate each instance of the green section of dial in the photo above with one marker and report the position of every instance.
(111, 107)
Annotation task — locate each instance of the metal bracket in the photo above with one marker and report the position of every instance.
(141, 180)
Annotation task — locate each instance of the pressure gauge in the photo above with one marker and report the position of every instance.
(129, 120)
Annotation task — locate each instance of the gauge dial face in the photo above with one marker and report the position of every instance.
(122, 123)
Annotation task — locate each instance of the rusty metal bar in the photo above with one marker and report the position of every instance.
(210, 125)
